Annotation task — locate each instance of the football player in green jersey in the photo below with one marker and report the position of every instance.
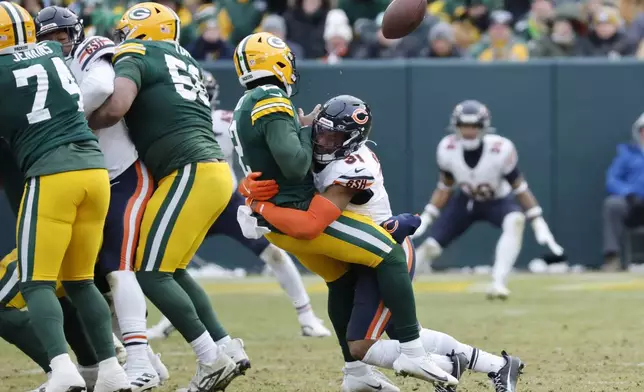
(159, 91)
(65, 199)
(271, 139)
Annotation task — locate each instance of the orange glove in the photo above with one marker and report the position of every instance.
(257, 190)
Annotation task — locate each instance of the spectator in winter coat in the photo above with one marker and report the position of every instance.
(500, 43)
(305, 26)
(276, 25)
(564, 37)
(624, 207)
(337, 36)
(535, 24)
(210, 45)
(441, 42)
(607, 37)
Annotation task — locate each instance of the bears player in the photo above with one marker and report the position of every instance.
(159, 91)
(341, 157)
(65, 199)
(270, 139)
(278, 260)
(485, 168)
(131, 186)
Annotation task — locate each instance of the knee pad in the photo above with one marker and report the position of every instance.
(514, 223)
(431, 248)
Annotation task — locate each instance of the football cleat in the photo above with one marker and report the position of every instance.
(371, 381)
(315, 328)
(459, 366)
(505, 380)
(497, 291)
(159, 367)
(161, 330)
(423, 368)
(112, 377)
(141, 375)
(64, 376)
(212, 377)
(235, 350)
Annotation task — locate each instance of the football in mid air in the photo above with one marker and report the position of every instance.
(402, 17)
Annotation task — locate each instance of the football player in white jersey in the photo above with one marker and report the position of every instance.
(484, 166)
(341, 157)
(278, 260)
(131, 186)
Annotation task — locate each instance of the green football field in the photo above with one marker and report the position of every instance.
(576, 333)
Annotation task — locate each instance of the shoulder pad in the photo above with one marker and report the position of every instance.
(505, 150)
(129, 48)
(447, 144)
(352, 173)
(270, 99)
(92, 49)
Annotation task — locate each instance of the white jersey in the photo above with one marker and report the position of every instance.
(486, 181)
(91, 66)
(221, 120)
(361, 170)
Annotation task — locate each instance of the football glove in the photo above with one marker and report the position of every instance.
(427, 217)
(544, 236)
(401, 226)
(258, 190)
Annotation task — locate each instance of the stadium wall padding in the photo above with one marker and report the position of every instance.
(565, 118)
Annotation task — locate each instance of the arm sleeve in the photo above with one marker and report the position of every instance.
(97, 85)
(291, 148)
(130, 68)
(303, 225)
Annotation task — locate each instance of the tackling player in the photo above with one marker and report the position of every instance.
(131, 186)
(485, 168)
(65, 199)
(159, 91)
(269, 138)
(341, 157)
(278, 260)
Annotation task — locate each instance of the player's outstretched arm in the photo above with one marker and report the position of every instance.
(126, 87)
(307, 225)
(439, 198)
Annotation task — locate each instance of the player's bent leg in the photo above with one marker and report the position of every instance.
(507, 250)
(48, 206)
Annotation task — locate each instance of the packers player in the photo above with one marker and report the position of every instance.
(270, 138)
(65, 199)
(158, 89)
(131, 185)
(341, 157)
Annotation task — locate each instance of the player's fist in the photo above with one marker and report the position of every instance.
(258, 190)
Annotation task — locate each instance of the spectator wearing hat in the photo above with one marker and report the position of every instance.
(276, 25)
(337, 36)
(305, 26)
(469, 17)
(535, 24)
(607, 36)
(500, 42)
(441, 42)
(565, 35)
(239, 18)
(210, 45)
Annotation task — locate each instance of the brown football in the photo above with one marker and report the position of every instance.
(402, 17)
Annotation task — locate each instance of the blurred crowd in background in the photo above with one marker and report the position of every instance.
(331, 30)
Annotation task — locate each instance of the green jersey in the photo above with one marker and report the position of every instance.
(41, 111)
(170, 121)
(268, 138)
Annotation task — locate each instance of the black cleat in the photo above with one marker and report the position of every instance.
(459, 366)
(506, 378)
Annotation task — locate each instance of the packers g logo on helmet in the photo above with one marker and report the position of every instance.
(17, 28)
(139, 13)
(276, 42)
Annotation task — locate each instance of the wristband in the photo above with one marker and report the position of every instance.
(432, 210)
(533, 212)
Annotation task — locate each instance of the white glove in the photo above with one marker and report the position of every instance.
(544, 236)
(248, 224)
(426, 218)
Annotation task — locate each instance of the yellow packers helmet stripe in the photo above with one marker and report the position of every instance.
(19, 31)
(128, 47)
(271, 105)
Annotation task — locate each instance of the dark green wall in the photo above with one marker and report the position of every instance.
(565, 118)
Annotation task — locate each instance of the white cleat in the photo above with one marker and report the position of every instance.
(234, 349)
(497, 291)
(161, 330)
(371, 381)
(314, 328)
(159, 367)
(43, 387)
(90, 375)
(423, 368)
(121, 353)
(112, 377)
(142, 376)
(214, 376)
(64, 376)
